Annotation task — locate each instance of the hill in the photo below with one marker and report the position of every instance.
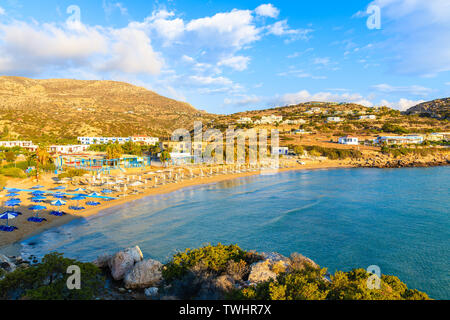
(59, 110)
(439, 109)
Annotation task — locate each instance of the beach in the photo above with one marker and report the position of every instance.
(26, 229)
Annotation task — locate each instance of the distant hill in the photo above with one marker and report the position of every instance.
(44, 109)
(439, 109)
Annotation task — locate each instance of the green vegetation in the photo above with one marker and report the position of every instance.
(392, 128)
(72, 173)
(398, 151)
(332, 153)
(113, 151)
(48, 281)
(213, 258)
(13, 172)
(311, 284)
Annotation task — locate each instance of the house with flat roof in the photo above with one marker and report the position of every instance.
(368, 117)
(334, 119)
(68, 149)
(29, 145)
(348, 140)
(244, 120)
(409, 139)
(280, 150)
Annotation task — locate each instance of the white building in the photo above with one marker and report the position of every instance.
(349, 140)
(368, 117)
(148, 141)
(120, 140)
(280, 150)
(334, 119)
(22, 144)
(68, 149)
(269, 119)
(293, 122)
(244, 120)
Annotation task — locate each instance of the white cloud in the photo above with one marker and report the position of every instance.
(109, 7)
(267, 10)
(402, 104)
(281, 28)
(133, 53)
(33, 48)
(413, 90)
(300, 74)
(305, 96)
(211, 80)
(235, 29)
(418, 35)
(238, 63)
(322, 61)
(2, 11)
(243, 101)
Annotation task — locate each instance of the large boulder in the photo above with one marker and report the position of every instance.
(103, 260)
(144, 274)
(273, 264)
(6, 264)
(122, 262)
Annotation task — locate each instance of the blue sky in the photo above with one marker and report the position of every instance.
(230, 56)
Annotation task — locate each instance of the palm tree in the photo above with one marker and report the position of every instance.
(42, 157)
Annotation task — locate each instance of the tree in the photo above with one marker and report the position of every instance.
(113, 151)
(164, 157)
(41, 157)
(130, 147)
(10, 156)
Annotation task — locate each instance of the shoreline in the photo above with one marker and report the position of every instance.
(12, 246)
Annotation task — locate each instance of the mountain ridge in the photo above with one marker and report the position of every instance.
(438, 108)
(68, 108)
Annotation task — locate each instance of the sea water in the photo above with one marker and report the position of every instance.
(397, 219)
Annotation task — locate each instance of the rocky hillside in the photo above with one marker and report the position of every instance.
(64, 109)
(439, 109)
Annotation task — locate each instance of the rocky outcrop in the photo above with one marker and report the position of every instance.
(269, 268)
(123, 261)
(385, 161)
(144, 274)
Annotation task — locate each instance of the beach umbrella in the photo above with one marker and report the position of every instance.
(107, 191)
(12, 194)
(38, 199)
(78, 198)
(37, 208)
(7, 216)
(59, 195)
(60, 188)
(13, 190)
(58, 203)
(12, 204)
(94, 194)
(37, 187)
(93, 203)
(80, 190)
(38, 193)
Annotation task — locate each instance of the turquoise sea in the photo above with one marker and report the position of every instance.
(398, 219)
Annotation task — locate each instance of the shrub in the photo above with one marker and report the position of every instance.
(214, 259)
(47, 281)
(310, 283)
(13, 172)
(72, 173)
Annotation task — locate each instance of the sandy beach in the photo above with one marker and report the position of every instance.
(26, 229)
